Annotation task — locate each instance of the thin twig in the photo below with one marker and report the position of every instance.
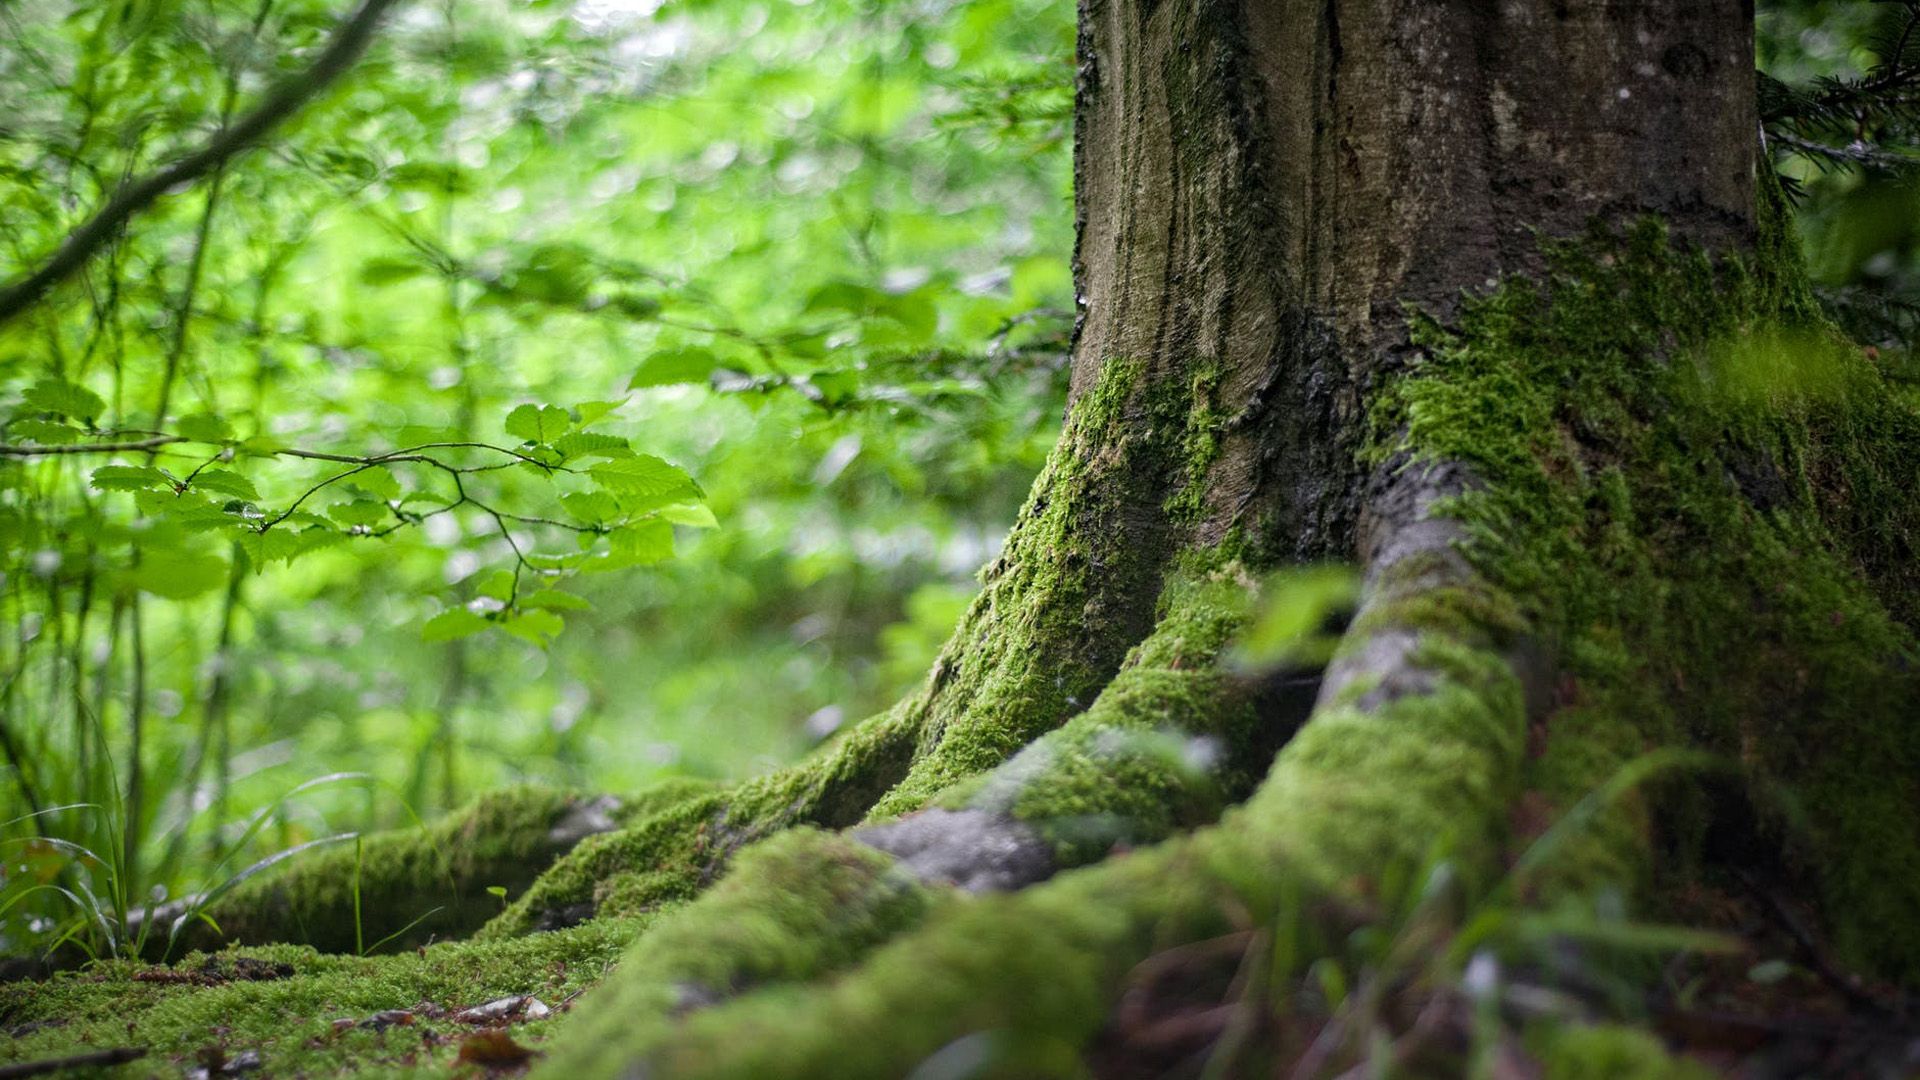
(93, 1058)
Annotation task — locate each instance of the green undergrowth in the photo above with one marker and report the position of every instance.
(1694, 487)
(285, 1002)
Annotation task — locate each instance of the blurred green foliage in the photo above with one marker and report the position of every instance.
(749, 318)
(1840, 97)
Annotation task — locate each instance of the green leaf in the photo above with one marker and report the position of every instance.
(538, 423)
(581, 444)
(1299, 610)
(642, 543)
(848, 296)
(644, 475)
(45, 432)
(130, 478)
(693, 515)
(537, 626)
(179, 575)
(205, 427)
(357, 512)
(591, 507)
(377, 482)
(274, 545)
(635, 306)
(261, 446)
(451, 624)
(386, 270)
(226, 482)
(555, 600)
(68, 399)
(307, 541)
(498, 585)
(592, 412)
(674, 366)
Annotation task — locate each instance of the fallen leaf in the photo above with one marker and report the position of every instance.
(493, 1048)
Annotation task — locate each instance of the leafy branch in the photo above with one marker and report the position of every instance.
(1841, 122)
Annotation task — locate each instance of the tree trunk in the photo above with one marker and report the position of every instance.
(1496, 300)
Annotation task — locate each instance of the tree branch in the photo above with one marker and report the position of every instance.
(348, 42)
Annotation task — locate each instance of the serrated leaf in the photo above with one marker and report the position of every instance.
(541, 460)
(357, 512)
(130, 478)
(674, 366)
(194, 513)
(581, 444)
(452, 624)
(205, 517)
(307, 541)
(205, 427)
(225, 482)
(555, 600)
(538, 423)
(692, 515)
(644, 475)
(537, 626)
(68, 399)
(592, 507)
(592, 412)
(378, 482)
(498, 585)
(274, 545)
(179, 575)
(642, 543)
(45, 432)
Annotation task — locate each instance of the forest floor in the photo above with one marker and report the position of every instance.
(1778, 1005)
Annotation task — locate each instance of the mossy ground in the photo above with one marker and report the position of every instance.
(288, 1014)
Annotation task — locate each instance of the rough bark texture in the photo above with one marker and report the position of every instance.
(1474, 294)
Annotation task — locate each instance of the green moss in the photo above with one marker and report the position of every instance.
(1166, 746)
(795, 907)
(1659, 438)
(1606, 1051)
(1072, 591)
(1200, 445)
(438, 874)
(289, 1017)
